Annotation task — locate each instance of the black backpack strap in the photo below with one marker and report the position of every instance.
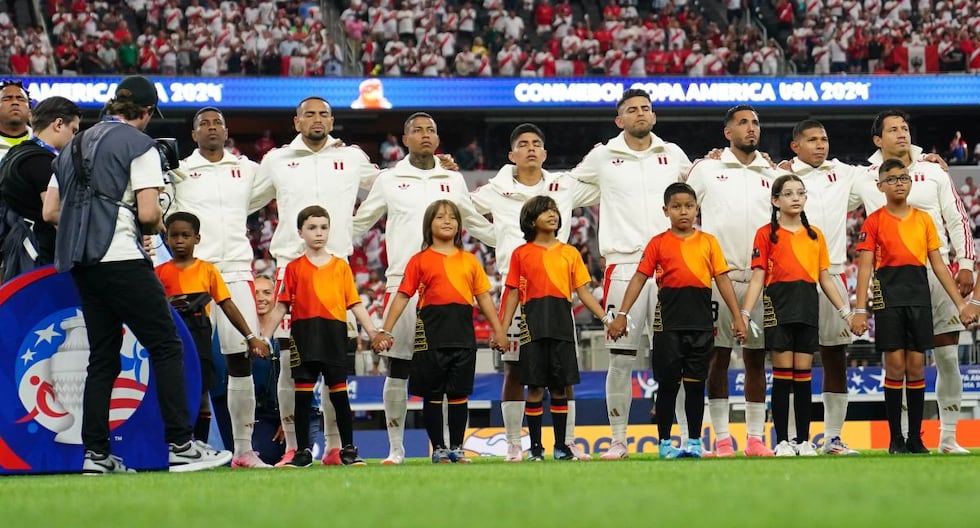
(83, 177)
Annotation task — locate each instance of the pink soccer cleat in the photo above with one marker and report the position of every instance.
(332, 458)
(617, 451)
(249, 460)
(724, 449)
(287, 457)
(514, 453)
(756, 448)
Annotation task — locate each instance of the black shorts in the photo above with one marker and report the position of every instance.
(682, 354)
(442, 371)
(200, 328)
(793, 337)
(321, 341)
(903, 328)
(548, 363)
(309, 371)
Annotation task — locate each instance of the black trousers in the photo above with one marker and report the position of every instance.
(129, 292)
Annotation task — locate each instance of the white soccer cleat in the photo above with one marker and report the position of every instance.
(617, 451)
(836, 446)
(785, 449)
(514, 453)
(948, 446)
(393, 459)
(806, 449)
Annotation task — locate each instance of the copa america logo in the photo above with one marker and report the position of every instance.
(50, 373)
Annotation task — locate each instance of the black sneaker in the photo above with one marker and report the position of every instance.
(536, 454)
(103, 464)
(562, 453)
(915, 446)
(348, 455)
(898, 446)
(301, 459)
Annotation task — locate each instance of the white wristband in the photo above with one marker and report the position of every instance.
(974, 302)
(746, 313)
(859, 311)
(249, 337)
(845, 312)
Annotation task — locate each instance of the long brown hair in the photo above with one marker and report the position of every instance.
(430, 214)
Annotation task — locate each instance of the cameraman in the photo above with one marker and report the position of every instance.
(110, 177)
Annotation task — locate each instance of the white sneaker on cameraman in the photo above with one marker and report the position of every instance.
(196, 456)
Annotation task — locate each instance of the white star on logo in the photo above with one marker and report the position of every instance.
(46, 335)
(28, 356)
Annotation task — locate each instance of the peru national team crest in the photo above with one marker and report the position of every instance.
(44, 353)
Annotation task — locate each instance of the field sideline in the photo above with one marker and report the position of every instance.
(873, 489)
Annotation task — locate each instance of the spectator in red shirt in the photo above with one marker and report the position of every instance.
(544, 15)
(20, 61)
(612, 11)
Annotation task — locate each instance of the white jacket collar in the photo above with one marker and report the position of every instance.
(728, 158)
(618, 144)
(802, 168)
(504, 182)
(299, 145)
(915, 152)
(196, 159)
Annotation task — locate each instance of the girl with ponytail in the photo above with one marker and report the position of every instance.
(789, 259)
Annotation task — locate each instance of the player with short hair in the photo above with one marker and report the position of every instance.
(632, 171)
(400, 191)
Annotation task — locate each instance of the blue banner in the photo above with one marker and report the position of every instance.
(43, 360)
(378, 93)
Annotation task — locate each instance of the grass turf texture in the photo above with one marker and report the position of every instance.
(873, 489)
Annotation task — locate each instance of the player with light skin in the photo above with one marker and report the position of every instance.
(932, 193)
(789, 255)
(895, 243)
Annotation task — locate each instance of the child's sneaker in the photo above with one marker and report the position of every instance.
(806, 449)
(348, 457)
(570, 452)
(249, 460)
(724, 448)
(301, 459)
(536, 454)
(617, 451)
(195, 456)
(756, 448)
(836, 446)
(668, 451)
(332, 458)
(458, 456)
(514, 453)
(98, 464)
(693, 448)
(286, 458)
(784, 449)
(440, 455)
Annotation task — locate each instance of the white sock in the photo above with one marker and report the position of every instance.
(755, 419)
(719, 410)
(570, 424)
(513, 413)
(791, 422)
(241, 409)
(286, 389)
(395, 395)
(680, 413)
(834, 413)
(331, 436)
(619, 394)
(949, 387)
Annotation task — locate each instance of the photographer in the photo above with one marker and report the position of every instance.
(110, 177)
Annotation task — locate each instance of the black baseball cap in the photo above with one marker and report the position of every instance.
(139, 90)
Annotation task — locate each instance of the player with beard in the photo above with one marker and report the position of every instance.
(15, 114)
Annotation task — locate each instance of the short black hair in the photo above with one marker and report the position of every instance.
(805, 125)
(183, 216)
(678, 188)
(413, 117)
(530, 212)
(730, 114)
(310, 212)
(51, 109)
(13, 82)
(889, 164)
(878, 125)
(310, 98)
(525, 128)
(631, 93)
(206, 109)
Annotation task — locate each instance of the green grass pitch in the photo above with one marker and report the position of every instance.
(870, 490)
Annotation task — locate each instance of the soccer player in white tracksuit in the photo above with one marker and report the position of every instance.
(404, 191)
(503, 196)
(932, 192)
(631, 170)
(313, 170)
(734, 196)
(222, 190)
(830, 186)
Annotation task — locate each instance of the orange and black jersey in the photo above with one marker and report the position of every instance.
(199, 277)
(792, 264)
(901, 248)
(446, 285)
(545, 278)
(683, 268)
(319, 298)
